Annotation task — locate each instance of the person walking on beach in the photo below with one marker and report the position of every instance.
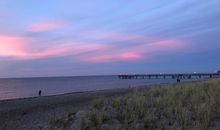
(39, 93)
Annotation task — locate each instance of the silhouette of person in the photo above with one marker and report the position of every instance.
(39, 93)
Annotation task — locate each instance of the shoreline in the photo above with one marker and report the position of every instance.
(70, 93)
(50, 96)
(95, 93)
(26, 113)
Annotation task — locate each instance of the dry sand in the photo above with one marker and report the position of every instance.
(24, 114)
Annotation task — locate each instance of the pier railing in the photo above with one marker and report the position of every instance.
(171, 76)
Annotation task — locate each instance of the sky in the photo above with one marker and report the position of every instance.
(105, 37)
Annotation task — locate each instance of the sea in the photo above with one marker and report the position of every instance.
(12, 88)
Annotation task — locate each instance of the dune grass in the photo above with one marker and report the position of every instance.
(183, 106)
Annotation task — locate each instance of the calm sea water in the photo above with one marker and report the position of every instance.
(29, 87)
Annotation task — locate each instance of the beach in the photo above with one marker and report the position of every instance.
(109, 65)
(29, 113)
(61, 112)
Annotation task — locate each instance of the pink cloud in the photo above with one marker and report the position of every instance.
(162, 45)
(130, 56)
(111, 57)
(70, 49)
(45, 26)
(135, 52)
(12, 46)
(21, 48)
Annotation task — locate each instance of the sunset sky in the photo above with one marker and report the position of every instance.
(99, 37)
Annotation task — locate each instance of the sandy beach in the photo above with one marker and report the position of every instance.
(37, 113)
(29, 113)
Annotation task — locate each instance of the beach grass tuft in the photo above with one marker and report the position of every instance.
(181, 106)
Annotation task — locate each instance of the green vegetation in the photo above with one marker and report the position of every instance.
(182, 106)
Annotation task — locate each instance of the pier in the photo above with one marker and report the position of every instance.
(171, 76)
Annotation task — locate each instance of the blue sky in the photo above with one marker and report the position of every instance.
(84, 37)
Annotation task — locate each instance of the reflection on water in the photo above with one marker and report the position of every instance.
(29, 87)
